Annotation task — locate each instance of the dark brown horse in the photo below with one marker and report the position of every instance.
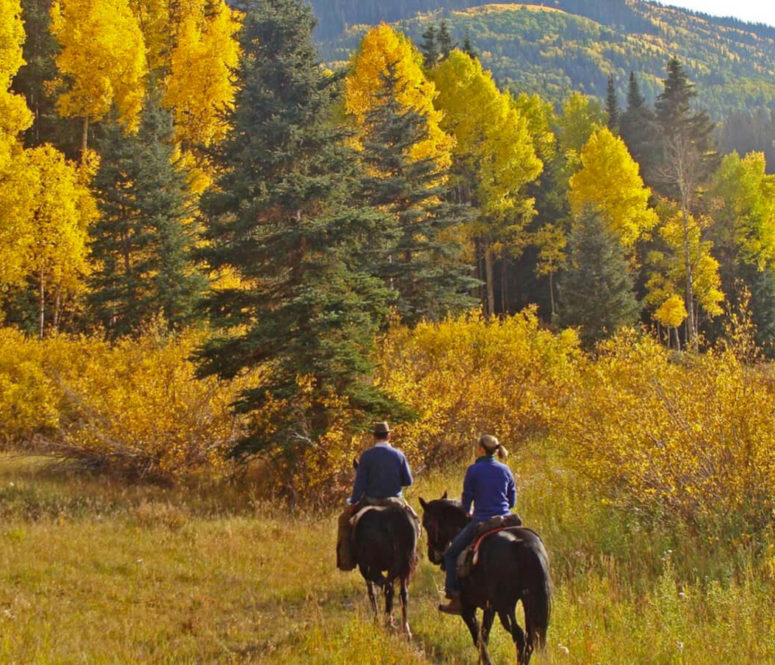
(386, 552)
(513, 566)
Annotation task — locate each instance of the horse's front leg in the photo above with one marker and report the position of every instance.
(372, 598)
(404, 593)
(389, 595)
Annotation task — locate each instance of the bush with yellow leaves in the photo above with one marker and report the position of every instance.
(688, 437)
(134, 406)
(469, 375)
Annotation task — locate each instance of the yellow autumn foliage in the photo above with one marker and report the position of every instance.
(469, 375)
(688, 438)
(383, 50)
(134, 406)
(102, 59)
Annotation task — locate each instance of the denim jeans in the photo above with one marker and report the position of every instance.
(458, 544)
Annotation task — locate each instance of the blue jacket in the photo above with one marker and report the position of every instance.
(490, 486)
(382, 472)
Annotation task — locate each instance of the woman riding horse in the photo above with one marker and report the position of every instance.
(490, 486)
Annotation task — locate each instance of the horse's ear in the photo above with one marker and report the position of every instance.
(444, 496)
(355, 464)
(423, 503)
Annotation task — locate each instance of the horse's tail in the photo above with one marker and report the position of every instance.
(537, 601)
(412, 559)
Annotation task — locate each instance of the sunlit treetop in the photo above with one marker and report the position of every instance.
(385, 51)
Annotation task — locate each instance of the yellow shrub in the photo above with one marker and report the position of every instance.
(688, 436)
(467, 375)
(134, 405)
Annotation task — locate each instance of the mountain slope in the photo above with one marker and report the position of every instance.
(576, 44)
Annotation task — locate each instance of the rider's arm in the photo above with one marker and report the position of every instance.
(361, 482)
(406, 474)
(511, 491)
(468, 490)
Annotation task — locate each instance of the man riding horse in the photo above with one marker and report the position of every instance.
(382, 473)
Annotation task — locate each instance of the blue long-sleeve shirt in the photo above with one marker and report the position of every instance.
(382, 472)
(490, 486)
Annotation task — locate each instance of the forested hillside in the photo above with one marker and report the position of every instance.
(556, 47)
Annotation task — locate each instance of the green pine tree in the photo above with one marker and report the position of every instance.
(285, 217)
(430, 47)
(420, 261)
(444, 40)
(612, 105)
(637, 129)
(144, 239)
(596, 291)
(467, 48)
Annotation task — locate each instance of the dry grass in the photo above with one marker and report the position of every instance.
(93, 571)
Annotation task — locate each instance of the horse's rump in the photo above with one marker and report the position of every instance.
(386, 540)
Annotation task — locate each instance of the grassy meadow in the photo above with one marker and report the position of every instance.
(93, 570)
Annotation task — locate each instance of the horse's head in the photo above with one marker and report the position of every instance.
(442, 519)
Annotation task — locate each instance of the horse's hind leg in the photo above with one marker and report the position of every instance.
(389, 595)
(372, 598)
(509, 621)
(404, 593)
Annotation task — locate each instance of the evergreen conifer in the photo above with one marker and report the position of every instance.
(612, 105)
(596, 291)
(637, 129)
(421, 260)
(143, 242)
(285, 217)
(429, 47)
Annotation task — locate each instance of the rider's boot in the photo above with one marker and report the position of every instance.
(453, 606)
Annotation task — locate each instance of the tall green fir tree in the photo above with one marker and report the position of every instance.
(637, 129)
(143, 243)
(596, 291)
(444, 39)
(421, 257)
(686, 160)
(612, 106)
(429, 46)
(284, 217)
(687, 155)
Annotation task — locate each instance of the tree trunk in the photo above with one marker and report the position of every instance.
(691, 326)
(490, 278)
(57, 309)
(41, 305)
(84, 138)
(551, 295)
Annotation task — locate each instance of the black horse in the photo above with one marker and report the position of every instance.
(513, 565)
(386, 552)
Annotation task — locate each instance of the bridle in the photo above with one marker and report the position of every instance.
(434, 536)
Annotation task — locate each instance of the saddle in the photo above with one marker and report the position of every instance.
(469, 557)
(382, 504)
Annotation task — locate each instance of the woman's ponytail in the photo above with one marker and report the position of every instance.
(491, 445)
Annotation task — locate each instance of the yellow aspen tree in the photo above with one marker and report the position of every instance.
(384, 51)
(102, 59)
(62, 209)
(15, 117)
(581, 117)
(200, 87)
(609, 182)
(495, 157)
(551, 242)
(155, 20)
(666, 268)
